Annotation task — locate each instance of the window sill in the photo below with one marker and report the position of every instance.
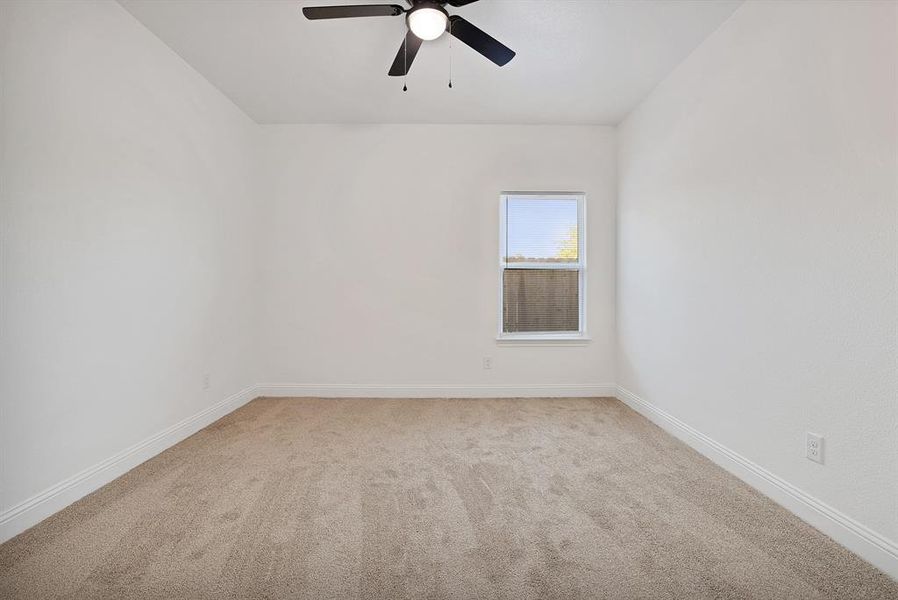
(543, 340)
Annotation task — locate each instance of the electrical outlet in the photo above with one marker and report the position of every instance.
(814, 447)
(207, 379)
(487, 362)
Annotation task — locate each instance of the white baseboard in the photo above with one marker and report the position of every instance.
(40, 506)
(866, 543)
(327, 390)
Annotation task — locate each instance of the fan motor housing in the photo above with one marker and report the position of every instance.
(419, 4)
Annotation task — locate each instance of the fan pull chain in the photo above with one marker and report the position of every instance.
(405, 64)
(450, 54)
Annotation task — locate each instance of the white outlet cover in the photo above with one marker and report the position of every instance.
(814, 447)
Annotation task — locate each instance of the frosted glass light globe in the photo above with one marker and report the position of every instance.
(427, 23)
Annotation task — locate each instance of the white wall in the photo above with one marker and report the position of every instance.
(758, 247)
(127, 261)
(380, 253)
(758, 253)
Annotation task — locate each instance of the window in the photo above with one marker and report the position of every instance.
(542, 267)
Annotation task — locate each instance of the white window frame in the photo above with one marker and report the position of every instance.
(549, 337)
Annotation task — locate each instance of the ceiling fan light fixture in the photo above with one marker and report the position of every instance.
(425, 20)
(428, 23)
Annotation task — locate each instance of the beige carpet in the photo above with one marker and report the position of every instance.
(535, 498)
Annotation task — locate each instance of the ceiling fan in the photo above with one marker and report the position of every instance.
(427, 20)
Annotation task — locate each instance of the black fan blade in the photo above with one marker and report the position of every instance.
(482, 42)
(352, 10)
(403, 61)
(458, 3)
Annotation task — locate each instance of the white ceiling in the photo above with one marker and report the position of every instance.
(578, 61)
